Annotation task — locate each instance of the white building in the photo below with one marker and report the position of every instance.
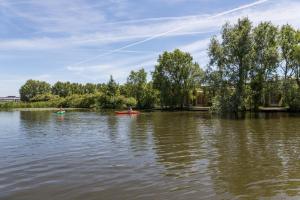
(9, 99)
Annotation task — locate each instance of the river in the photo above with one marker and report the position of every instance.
(159, 155)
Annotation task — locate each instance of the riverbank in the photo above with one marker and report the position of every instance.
(274, 109)
(52, 106)
(48, 109)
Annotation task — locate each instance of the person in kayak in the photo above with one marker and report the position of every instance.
(61, 109)
(130, 109)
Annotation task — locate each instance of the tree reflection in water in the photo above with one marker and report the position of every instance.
(256, 157)
(177, 141)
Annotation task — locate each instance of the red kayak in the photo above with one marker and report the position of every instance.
(127, 112)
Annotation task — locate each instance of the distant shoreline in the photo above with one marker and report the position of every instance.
(193, 109)
(41, 109)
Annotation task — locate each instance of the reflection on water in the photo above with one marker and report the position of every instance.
(257, 157)
(178, 155)
(177, 141)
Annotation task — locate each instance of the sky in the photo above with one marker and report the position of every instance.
(89, 40)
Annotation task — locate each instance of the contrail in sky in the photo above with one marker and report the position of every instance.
(170, 31)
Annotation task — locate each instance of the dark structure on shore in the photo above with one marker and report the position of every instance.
(9, 99)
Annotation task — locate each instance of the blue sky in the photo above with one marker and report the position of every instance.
(88, 40)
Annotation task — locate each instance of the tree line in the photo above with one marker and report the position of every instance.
(137, 92)
(249, 65)
(175, 78)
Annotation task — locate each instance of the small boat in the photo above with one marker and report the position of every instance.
(127, 112)
(60, 112)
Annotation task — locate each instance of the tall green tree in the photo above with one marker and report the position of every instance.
(234, 57)
(77, 88)
(136, 85)
(62, 89)
(176, 76)
(90, 88)
(293, 93)
(265, 61)
(296, 67)
(142, 91)
(150, 97)
(288, 41)
(112, 88)
(216, 81)
(32, 88)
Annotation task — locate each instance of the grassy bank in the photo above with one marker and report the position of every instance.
(12, 105)
(88, 101)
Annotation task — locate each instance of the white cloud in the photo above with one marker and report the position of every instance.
(84, 26)
(63, 25)
(148, 29)
(279, 13)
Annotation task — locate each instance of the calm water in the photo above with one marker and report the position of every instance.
(87, 155)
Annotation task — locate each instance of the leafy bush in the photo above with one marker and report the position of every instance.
(44, 97)
(293, 98)
(33, 88)
(114, 102)
(10, 105)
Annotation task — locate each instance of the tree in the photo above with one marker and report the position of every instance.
(77, 88)
(136, 85)
(32, 88)
(90, 88)
(112, 88)
(296, 56)
(215, 79)
(101, 87)
(266, 58)
(238, 43)
(233, 58)
(288, 41)
(44, 97)
(150, 97)
(293, 94)
(176, 76)
(61, 89)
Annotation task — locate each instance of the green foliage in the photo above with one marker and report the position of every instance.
(175, 76)
(64, 89)
(287, 41)
(112, 88)
(292, 95)
(230, 62)
(150, 96)
(294, 100)
(71, 95)
(136, 85)
(44, 97)
(243, 72)
(249, 67)
(238, 53)
(61, 89)
(90, 88)
(216, 104)
(296, 57)
(142, 91)
(10, 105)
(114, 102)
(81, 101)
(265, 61)
(32, 88)
(73, 101)
(126, 102)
